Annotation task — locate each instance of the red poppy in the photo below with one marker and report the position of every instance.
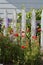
(23, 47)
(34, 37)
(16, 35)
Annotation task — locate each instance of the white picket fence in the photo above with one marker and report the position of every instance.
(23, 23)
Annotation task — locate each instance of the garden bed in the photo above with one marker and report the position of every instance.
(12, 53)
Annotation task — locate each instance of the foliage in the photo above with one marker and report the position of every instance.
(38, 14)
(28, 15)
(10, 52)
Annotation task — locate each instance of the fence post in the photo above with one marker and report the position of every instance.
(14, 20)
(5, 22)
(23, 27)
(33, 24)
(42, 31)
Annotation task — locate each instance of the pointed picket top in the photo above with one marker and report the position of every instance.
(33, 13)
